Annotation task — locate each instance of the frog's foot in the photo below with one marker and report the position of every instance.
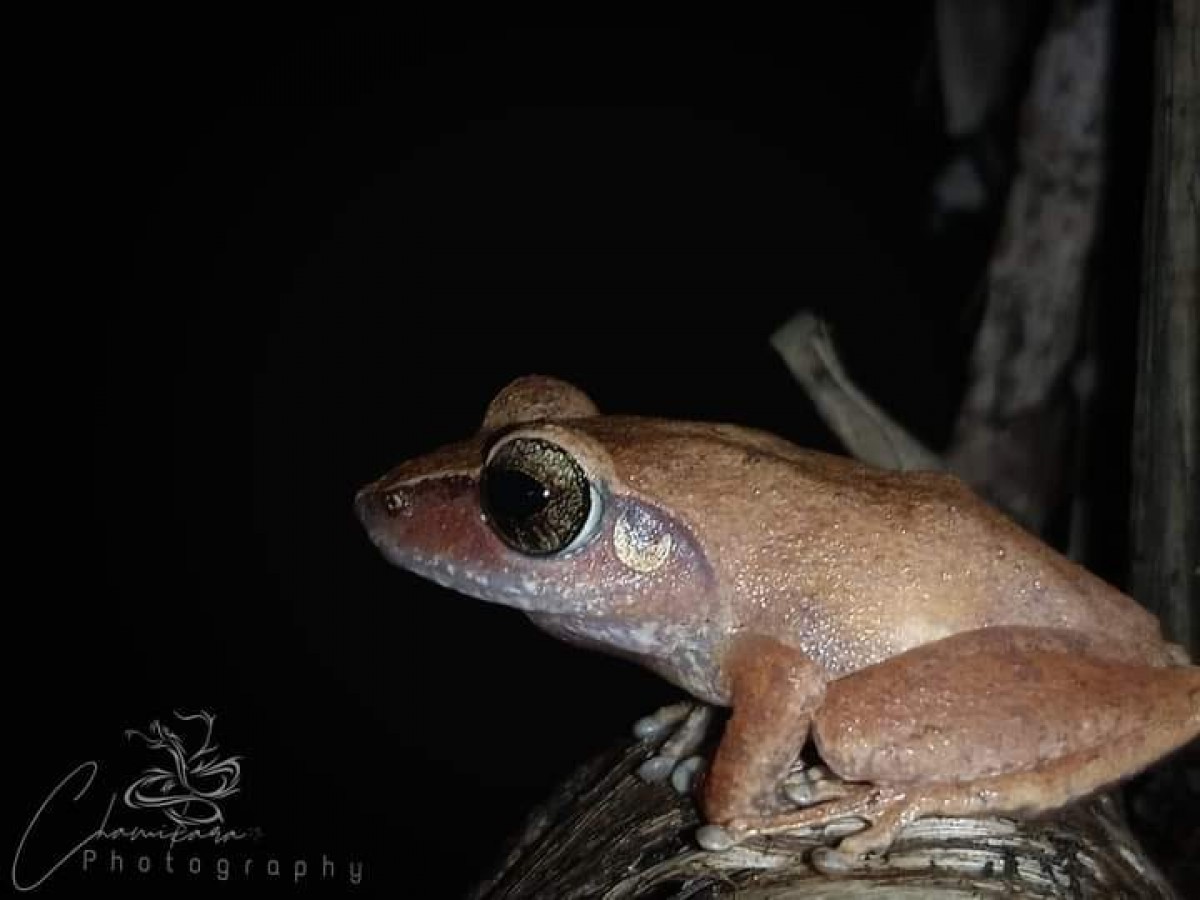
(677, 759)
(887, 810)
(887, 820)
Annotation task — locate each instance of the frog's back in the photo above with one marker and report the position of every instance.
(1021, 580)
(862, 563)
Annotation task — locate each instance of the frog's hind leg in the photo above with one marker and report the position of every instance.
(1003, 720)
(1022, 793)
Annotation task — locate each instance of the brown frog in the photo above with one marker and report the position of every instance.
(941, 659)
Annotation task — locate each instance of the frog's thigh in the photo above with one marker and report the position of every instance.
(1003, 720)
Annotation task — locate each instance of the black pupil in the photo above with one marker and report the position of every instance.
(515, 494)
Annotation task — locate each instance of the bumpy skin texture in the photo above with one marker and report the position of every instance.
(942, 659)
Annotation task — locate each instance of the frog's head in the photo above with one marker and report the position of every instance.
(533, 513)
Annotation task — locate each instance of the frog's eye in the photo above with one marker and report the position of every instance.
(537, 498)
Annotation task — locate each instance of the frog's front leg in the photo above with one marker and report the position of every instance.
(774, 691)
(1001, 720)
(678, 758)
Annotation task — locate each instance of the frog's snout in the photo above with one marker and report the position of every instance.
(388, 514)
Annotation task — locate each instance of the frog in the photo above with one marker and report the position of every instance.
(937, 658)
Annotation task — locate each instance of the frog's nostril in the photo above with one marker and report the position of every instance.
(373, 504)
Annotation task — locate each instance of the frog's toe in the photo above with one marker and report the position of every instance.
(662, 721)
(835, 860)
(685, 775)
(657, 768)
(714, 838)
(815, 784)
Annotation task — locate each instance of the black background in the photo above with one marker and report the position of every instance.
(273, 257)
